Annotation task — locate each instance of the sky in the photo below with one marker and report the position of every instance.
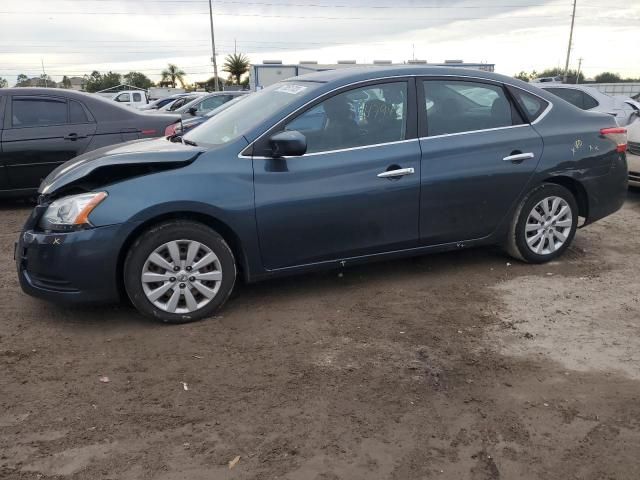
(75, 37)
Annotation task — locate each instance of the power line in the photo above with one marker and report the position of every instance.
(307, 17)
(348, 6)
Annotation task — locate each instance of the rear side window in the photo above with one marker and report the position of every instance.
(137, 97)
(455, 106)
(532, 105)
(38, 111)
(77, 113)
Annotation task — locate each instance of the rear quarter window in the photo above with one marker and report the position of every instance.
(77, 113)
(532, 105)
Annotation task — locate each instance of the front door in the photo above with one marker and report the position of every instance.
(40, 133)
(477, 156)
(356, 190)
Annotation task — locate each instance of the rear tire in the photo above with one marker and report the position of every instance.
(543, 225)
(179, 272)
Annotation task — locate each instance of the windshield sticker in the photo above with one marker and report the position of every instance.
(292, 89)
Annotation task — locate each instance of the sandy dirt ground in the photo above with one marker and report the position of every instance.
(465, 365)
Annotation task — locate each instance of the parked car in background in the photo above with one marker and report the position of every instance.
(633, 152)
(179, 102)
(394, 162)
(592, 99)
(190, 123)
(161, 102)
(41, 128)
(156, 93)
(204, 104)
(131, 98)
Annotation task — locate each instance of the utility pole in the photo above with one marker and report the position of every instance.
(44, 73)
(566, 65)
(579, 67)
(213, 50)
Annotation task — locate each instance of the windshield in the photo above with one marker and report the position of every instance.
(234, 122)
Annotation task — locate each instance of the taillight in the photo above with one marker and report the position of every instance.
(149, 132)
(170, 131)
(618, 136)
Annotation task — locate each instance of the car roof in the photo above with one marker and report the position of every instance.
(373, 72)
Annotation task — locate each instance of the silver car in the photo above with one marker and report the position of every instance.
(590, 98)
(633, 152)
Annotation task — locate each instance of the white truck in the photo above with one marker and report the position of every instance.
(131, 98)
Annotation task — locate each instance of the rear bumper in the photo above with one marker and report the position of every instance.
(607, 193)
(634, 169)
(74, 267)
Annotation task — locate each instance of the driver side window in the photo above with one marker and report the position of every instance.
(363, 116)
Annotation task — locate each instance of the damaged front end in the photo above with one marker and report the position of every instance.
(109, 165)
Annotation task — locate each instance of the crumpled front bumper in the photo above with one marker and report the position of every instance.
(73, 267)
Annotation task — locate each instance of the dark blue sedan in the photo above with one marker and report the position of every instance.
(323, 171)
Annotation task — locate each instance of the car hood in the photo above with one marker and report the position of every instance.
(113, 161)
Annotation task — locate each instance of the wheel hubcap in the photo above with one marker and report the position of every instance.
(181, 276)
(548, 225)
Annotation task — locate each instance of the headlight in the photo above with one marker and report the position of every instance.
(72, 212)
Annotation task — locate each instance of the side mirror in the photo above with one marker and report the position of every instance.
(192, 111)
(289, 143)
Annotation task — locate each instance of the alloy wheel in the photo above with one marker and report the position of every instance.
(548, 225)
(181, 276)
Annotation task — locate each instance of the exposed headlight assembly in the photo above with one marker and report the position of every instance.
(71, 213)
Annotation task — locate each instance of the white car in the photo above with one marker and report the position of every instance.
(590, 98)
(633, 151)
(131, 98)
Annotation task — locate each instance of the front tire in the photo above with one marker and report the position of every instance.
(179, 272)
(544, 224)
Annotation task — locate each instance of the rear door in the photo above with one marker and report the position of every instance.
(40, 133)
(478, 154)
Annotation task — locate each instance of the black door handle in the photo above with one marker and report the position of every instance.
(74, 136)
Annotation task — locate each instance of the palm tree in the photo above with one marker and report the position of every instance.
(173, 74)
(236, 65)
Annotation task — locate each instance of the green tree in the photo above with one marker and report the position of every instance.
(98, 81)
(46, 81)
(172, 74)
(111, 79)
(559, 72)
(66, 83)
(138, 79)
(524, 76)
(236, 65)
(607, 77)
(22, 81)
(210, 84)
(3, 83)
(93, 81)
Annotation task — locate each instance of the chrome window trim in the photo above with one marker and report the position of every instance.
(391, 77)
(327, 152)
(475, 131)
